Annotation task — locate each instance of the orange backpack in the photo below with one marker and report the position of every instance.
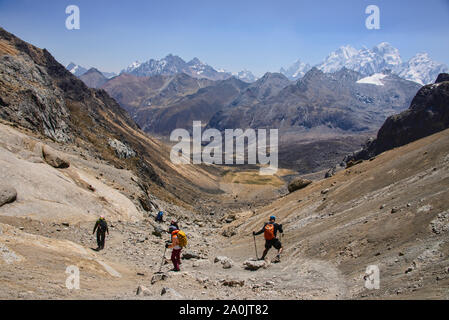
(269, 232)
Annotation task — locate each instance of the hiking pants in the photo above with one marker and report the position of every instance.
(176, 258)
(100, 239)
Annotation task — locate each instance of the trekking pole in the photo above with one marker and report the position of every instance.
(163, 260)
(255, 247)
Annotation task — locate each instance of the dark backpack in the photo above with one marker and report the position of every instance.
(102, 225)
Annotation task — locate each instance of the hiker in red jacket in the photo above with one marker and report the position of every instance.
(270, 230)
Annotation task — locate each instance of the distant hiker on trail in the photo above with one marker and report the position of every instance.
(160, 216)
(102, 227)
(270, 230)
(178, 241)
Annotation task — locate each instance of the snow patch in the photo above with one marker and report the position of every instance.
(374, 79)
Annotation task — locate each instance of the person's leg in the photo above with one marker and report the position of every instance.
(278, 246)
(267, 248)
(178, 259)
(103, 238)
(173, 258)
(98, 240)
(264, 254)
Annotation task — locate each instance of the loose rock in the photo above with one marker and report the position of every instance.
(298, 184)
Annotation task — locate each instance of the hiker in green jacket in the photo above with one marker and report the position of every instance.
(101, 227)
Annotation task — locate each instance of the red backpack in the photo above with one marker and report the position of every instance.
(269, 232)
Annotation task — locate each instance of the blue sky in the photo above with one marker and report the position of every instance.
(258, 35)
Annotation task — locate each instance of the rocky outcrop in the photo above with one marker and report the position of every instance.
(332, 171)
(54, 158)
(428, 114)
(38, 93)
(29, 97)
(298, 184)
(7, 195)
(123, 151)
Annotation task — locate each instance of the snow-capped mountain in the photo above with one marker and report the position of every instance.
(365, 61)
(421, 69)
(78, 71)
(171, 65)
(297, 70)
(245, 75)
(75, 69)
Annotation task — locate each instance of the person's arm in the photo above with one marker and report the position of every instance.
(174, 242)
(107, 228)
(96, 226)
(280, 228)
(261, 231)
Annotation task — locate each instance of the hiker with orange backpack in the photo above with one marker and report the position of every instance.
(270, 230)
(178, 241)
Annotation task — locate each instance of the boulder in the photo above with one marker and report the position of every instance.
(190, 255)
(199, 263)
(227, 264)
(7, 195)
(158, 231)
(171, 294)
(54, 158)
(229, 232)
(254, 265)
(298, 184)
(225, 261)
(233, 283)
(143, 291)
(440, 225)
(221, 259)
(158, 277)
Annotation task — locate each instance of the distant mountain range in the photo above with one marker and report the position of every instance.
(78, 71)
(172, 64)
(383, 57)
(420, 69)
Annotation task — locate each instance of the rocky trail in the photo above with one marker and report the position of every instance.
(391, 212)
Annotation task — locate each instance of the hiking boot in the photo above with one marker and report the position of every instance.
(277, 259)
